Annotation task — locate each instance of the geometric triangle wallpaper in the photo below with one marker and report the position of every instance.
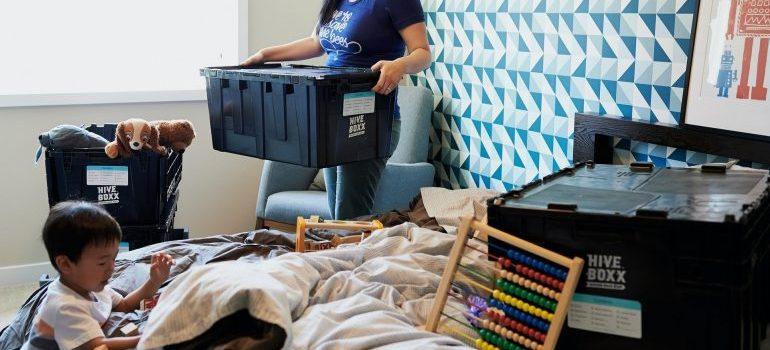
(509, 76)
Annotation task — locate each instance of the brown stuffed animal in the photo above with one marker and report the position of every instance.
(137, 134)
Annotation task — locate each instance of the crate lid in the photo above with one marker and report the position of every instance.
(672, 193)
(290, 73)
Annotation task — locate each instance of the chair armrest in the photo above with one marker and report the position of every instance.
(400, 183)
(280, 177)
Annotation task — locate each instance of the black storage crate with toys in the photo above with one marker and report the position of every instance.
(138, 191)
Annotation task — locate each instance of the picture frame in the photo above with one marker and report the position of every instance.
(729, 76)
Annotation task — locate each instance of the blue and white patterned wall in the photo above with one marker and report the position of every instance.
(510, 75)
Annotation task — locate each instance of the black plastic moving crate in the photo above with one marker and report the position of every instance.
(134, 190)
(675, 258)
(139, 236)
(311, 116)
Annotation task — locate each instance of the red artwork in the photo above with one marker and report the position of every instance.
(753, 24)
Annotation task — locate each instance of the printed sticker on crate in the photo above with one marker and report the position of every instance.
(606, 315)
(358, 103)
(106, 175)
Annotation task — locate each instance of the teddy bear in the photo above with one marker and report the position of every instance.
(136, 134)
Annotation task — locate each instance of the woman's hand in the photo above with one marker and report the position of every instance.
(256, 58)
(390, 74)
(160, 268)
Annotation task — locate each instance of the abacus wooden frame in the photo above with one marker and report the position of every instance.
(468, 225)
(317, 223)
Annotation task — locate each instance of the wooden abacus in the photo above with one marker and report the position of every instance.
(307, 242)
(527, 299)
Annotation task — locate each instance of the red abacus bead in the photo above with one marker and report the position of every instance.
(542, 337)
(531, 333)
(561, 285)
(508, 264)
(520, 327)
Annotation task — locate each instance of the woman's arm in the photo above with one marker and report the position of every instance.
(417, 59)
(301, 49)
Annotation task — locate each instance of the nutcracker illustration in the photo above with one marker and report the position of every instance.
(727, 75)
(750, 20)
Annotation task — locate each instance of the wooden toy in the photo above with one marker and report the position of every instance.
(307, 241)
(522, 306)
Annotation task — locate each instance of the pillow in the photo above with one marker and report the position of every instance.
(318, 182)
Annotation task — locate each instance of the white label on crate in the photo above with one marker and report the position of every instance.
(358, 103)
(104, 175)
(357, 126)
(606, 315)
(123, 247)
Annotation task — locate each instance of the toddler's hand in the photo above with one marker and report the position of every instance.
(160, 267)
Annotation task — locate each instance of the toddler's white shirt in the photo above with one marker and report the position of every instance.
(76, 320)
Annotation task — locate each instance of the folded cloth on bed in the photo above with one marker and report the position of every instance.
(375, 294)
(448, 206)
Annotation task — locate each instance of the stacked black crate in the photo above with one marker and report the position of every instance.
(140, 191)
(675, 258)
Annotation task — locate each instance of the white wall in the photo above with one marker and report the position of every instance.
(218, 191)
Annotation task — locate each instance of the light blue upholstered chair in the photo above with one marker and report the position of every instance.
(283, 190)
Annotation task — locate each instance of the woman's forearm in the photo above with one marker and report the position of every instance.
(416, 61)
(301, 49)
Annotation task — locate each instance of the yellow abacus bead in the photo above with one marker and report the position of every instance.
(479, 343)
(557, 296)
(496, 294)
(509, 299)
(550, 317)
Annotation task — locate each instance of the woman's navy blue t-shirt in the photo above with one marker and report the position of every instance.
(363, 32)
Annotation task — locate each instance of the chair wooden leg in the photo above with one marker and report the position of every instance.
(260, 224)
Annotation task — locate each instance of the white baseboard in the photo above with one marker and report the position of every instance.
(20, 274)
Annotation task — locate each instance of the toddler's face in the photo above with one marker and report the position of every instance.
(95, 267)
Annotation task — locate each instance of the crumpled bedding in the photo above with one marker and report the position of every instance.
(249, 248)
(373, 295)
(132, 268)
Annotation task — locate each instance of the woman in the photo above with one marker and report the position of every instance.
(361, 33)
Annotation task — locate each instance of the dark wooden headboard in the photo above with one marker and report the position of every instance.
(594, 139)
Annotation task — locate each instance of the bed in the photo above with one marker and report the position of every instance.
(246, 291)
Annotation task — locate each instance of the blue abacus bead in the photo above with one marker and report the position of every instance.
(511, 254)
(550, 270)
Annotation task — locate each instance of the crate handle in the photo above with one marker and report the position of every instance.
(563, 206)
(362, 86)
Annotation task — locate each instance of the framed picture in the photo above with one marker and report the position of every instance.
(729, 76)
